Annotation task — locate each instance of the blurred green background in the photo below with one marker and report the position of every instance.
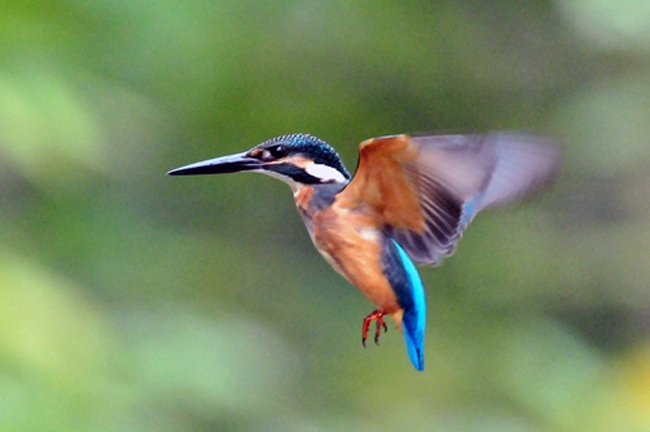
(132, 301)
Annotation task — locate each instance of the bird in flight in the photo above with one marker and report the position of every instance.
(408, 203)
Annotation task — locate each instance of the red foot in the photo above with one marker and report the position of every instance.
(377, 315)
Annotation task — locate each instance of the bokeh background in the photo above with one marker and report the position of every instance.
(133, 301)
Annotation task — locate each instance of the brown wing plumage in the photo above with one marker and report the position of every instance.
(424, 190)
(381, 183)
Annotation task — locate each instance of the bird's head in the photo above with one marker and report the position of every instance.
(297, 159)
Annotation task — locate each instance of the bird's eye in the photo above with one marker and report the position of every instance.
(270, 154)
(278, 151)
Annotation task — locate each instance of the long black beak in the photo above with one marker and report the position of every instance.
(221, 165)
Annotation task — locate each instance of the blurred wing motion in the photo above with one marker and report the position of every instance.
(426, 189)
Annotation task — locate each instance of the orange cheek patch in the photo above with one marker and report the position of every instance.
(298, 161)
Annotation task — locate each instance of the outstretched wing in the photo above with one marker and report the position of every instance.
(424, 190)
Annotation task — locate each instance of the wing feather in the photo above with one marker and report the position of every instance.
(424, 190)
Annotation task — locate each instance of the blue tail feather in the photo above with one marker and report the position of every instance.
(406, 282)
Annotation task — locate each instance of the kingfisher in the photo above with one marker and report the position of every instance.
(408, 203)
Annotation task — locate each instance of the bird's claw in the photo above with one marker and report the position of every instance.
(378, 317)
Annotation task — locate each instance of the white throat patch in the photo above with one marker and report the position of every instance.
(325, 173)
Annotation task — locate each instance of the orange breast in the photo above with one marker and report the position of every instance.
(351, 243)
